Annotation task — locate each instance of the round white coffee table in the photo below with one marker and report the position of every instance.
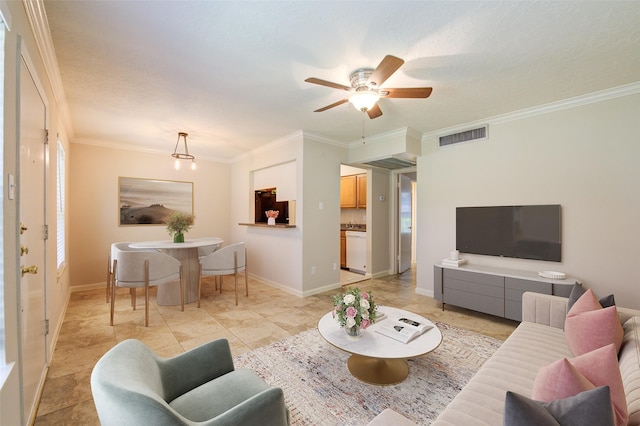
(376, 358)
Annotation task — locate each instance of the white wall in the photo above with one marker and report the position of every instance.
(284, 257)
(321, 189)
(584, 158)
(274, 255)
(379, 219)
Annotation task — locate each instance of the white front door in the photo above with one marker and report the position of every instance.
(33, 151)
(405, 227)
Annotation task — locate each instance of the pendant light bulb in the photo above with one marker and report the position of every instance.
(193, 164)
(177, 164)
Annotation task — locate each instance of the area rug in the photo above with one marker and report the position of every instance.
(319, 390)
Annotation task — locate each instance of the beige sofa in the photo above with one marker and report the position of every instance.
(536, 342)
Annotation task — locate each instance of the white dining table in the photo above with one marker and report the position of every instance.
(187, 254)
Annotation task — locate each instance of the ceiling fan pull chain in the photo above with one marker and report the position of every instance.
(363, 113)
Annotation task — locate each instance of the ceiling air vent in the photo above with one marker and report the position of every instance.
(391, 163)
(467, 135)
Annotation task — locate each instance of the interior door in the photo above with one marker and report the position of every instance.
(405, 223)
(32, 238)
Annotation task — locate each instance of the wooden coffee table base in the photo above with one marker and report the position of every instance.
(378, 371)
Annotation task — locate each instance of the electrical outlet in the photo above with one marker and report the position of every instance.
(313, 270)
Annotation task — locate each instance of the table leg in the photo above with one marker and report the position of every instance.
(378, 371)
(169, 294)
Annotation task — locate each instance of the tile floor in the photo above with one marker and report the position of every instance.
(262, 318)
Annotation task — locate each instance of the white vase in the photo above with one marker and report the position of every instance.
(271, 221)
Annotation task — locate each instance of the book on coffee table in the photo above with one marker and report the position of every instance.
(403, 329)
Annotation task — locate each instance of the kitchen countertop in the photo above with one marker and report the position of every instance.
(353, 227)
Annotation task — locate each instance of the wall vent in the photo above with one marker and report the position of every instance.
(465, 136)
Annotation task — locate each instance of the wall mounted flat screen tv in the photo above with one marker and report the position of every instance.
(524, 232)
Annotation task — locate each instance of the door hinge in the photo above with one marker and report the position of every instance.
(45, 327)
(46, 136)
(45, 232)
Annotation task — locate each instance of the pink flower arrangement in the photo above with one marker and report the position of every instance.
(272, 213)
(354, 308)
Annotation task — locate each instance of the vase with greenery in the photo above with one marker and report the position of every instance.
(355, 311)
(179, 223)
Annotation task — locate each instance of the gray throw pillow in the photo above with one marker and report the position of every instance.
(578, 291)
(592, 407)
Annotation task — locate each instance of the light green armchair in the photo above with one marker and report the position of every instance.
(131, 385)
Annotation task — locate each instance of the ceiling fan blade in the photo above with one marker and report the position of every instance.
(327, 83)
(335, 104)
(388, 66)
(409, 92)
(374, 112)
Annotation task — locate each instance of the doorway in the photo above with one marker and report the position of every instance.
(405, 220)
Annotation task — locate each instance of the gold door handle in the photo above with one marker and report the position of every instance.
(23, 250)
(33, 269)
(22, 228)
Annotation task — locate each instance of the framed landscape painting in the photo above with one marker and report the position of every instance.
(151, 201)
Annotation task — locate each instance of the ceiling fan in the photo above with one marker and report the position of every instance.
(365, 87)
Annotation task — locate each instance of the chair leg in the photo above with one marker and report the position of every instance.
(182, 291)
(235, 273)
(146, 293)
(113, 291)
(108, 279)
(246, 282)
(133, 294)
(199, 283)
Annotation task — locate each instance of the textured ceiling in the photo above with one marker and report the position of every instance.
(231, 73)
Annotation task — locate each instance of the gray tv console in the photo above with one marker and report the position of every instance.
(495, 291)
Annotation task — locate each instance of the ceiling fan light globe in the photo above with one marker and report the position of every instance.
(364, 100)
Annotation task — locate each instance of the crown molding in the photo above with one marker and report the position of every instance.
(128, 147)
(37, 17)
(577, 101)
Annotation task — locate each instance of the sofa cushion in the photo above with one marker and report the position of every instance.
(588, 407)
(589, 326)
(599, 367)
(512, 367)
(629, 361)
(559, 380)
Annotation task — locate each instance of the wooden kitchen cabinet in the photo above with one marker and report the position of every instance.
(361, 192)
(343, 249)
(353, 191)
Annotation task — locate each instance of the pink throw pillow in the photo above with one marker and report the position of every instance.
(565, 378)
(559, 380)
(588, 326)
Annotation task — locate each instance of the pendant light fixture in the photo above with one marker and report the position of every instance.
(183, 155)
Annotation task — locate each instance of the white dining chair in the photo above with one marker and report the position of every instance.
(227, 260)
(144, 269)
(123, 246)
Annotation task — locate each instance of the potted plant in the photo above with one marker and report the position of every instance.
(179, 223)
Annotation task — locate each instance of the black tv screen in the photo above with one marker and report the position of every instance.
(524, 232)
